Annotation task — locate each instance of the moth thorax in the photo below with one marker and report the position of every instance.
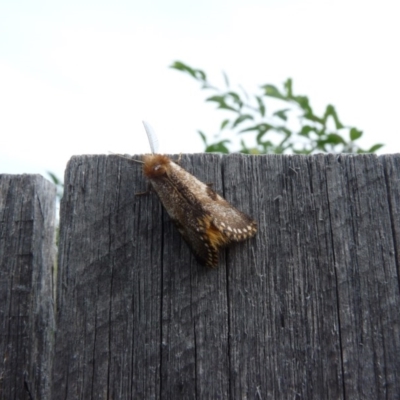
(155, 165)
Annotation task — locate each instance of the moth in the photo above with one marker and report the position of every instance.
(206, 221)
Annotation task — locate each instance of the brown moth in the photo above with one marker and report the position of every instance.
(206, 221)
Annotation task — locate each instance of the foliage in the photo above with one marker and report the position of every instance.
(57, 181)
(290, 127)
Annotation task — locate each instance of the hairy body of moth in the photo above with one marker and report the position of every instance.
(206, 221)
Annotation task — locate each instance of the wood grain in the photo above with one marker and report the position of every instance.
(309, 308)
(27, 254)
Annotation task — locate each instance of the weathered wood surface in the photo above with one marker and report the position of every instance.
(27, 254)
(309, 308)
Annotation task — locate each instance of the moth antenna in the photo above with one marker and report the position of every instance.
(127, 158)
(151, 134)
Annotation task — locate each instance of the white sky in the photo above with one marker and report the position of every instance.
(77, 77)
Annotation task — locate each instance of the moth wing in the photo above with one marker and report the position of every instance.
(233, 224)
(236, 225)
(200, 244)
(212, 224)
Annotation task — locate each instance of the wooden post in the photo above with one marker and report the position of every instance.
(309, 308)
(27, 250)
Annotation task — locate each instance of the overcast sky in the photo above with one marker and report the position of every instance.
(77, 77)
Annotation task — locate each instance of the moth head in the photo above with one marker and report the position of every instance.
(155, 165)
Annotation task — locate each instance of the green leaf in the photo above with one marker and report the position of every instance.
(375, 147)
(218, 147)
(58, 183)
(224, 123)
(355, 134)
(260, 136)
(284, 130)
(258, 127)
(321, 145)
(203, 137)
(220, 100)
(241, 118)
(304, 103)
(305, 131)
(216, 99)
(180, 66)
(244, 149)
(331, 112)
(195, 73)
(288, 87)
(272, 91)
(252, 128)
(311, 117)
(261, 105)
(334, 138)
(282, 114)
(236, 98)
(55, 179)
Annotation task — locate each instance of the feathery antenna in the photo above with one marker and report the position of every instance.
(151, 134)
